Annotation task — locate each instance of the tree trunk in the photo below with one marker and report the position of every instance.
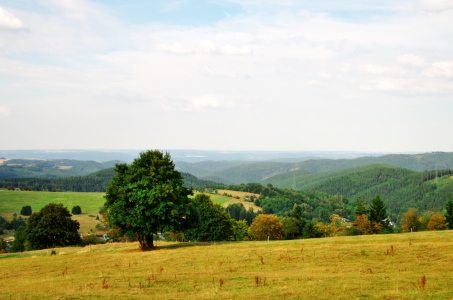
(146, 242)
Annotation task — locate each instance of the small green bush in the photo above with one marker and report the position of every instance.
(91, 239)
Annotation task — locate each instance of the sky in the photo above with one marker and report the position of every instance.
(373, 76)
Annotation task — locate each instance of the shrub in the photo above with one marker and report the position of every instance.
(91, 239)
(26, 210)
(76, 210)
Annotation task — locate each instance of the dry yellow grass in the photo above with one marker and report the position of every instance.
(246, 204)
(242, 196)
(372, 267)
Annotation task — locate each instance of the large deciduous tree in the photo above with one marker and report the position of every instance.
(410, 221)
(437, 222)
(266, 227)
(213, 222)
(50, 227)
(148, 197)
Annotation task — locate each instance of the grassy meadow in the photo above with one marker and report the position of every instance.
(12, 202)
(398, 266)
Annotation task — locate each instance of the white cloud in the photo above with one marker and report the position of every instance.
(226, 74)
(384, 85)
(314, 83)
(209, 102)
(9, 21)
(121, 94)
(4, 111)
(411, 59)
(440, 68)
(435, 5)
(79, 10)
(175, 48)
(378, 69)
(210, 47)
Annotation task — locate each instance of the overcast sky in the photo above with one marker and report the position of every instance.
(356, 75)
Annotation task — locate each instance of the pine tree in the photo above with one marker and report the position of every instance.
(378, 213)
(449, 214)
(360, 207)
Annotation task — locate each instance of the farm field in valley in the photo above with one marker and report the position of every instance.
(397, 266)
(12, 201)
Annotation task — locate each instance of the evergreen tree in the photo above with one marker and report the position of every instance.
(360, 207)
(449, 214)
(378, 213)
(298, 215)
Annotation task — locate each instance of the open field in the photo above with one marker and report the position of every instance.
(12, 201)
(398, 266)
(242, 196)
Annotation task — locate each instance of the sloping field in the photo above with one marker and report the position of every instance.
(12, 201)
(403, 266)
(242, 196)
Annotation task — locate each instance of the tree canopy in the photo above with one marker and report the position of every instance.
(214, 223)
(148, 197)
(266, 227)
(50, 227)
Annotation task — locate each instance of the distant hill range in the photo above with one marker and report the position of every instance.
(423, 181)
(50, 168)
(95, 182)
(237, 172)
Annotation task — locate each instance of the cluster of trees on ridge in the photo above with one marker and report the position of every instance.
(95, 182)
(148, 197)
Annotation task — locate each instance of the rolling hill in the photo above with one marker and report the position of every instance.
(251, 172)
(400, 188)
(52, 168)
(246, 172)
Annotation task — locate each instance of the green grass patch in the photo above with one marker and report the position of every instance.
(12, 202)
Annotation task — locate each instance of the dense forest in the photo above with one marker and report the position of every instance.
(246, 172)
(401, 188)
(281, 202)
(95, 182)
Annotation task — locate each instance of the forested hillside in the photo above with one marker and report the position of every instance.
(417, 162)
(400, 188)
(251, 172)
(95, 182)
(206, 167)
(29, 168)
(245, 172)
